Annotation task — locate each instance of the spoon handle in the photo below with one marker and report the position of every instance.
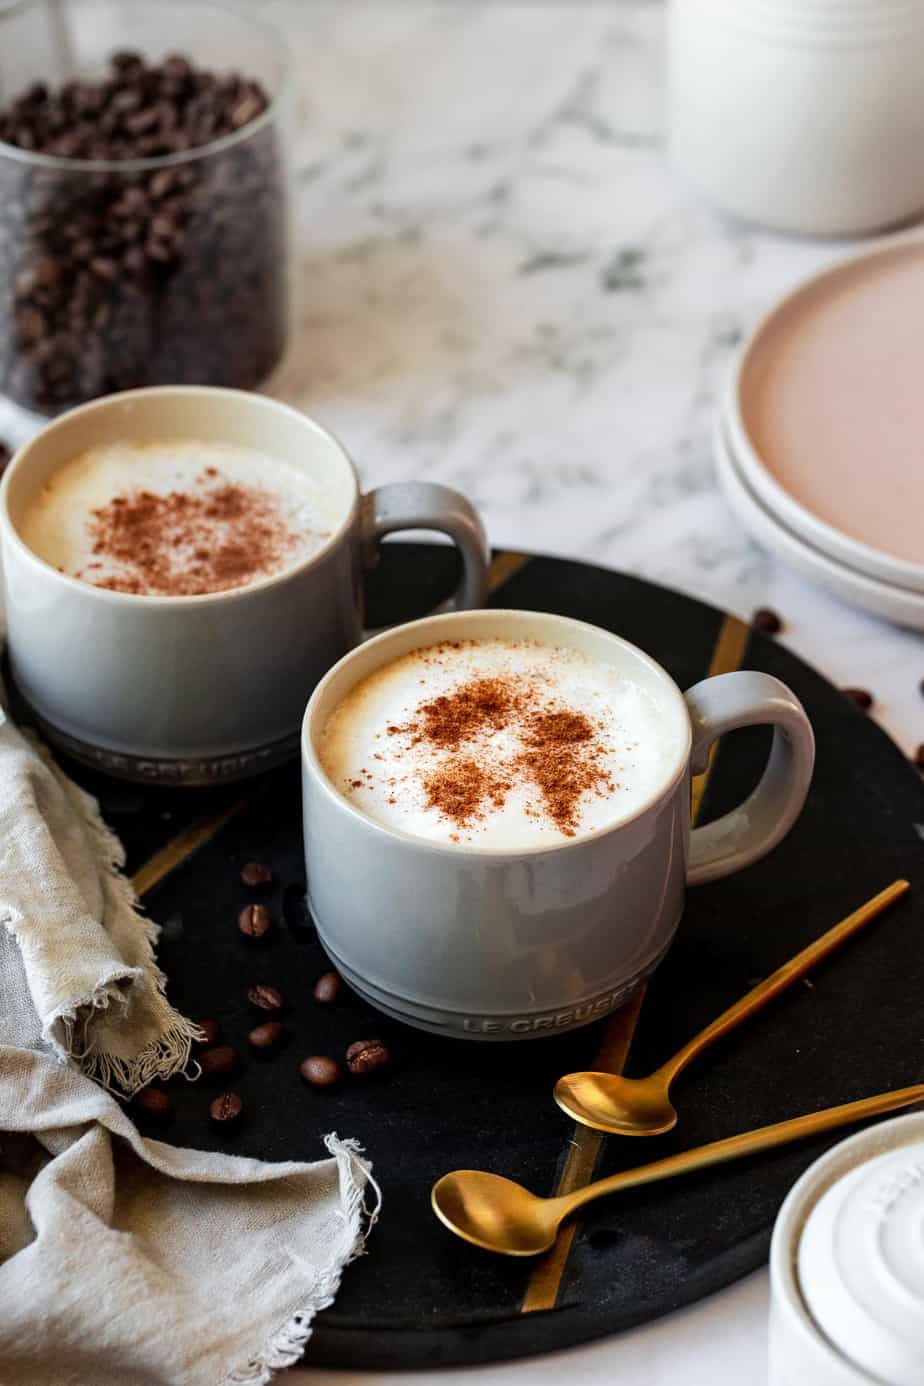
(749, 1142)
(782, 978)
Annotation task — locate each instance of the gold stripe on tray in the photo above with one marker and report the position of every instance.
(504, 566)
(726, 658)
(545, 1282)
(179, 848)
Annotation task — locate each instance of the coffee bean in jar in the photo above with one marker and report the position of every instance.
(142, 232)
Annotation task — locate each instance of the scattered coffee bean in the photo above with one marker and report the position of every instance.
(861, 696)
(255, 874)
(222, 1059)
(267, 1036)
(327, 988)
(226, 1108)
(766, 621)
(265, 998)
(919, 756)
(921, 686)
(154, 1104)
(211, 1031)
(6, 452)
(367, 1056)
(254, 921)
(320, 1071)
(171, 274)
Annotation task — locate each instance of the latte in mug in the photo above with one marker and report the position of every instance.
(179, 518)
(497, 743)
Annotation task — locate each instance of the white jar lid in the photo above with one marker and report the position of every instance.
(861, 1265)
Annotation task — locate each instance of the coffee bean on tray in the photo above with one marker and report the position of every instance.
(766, 621)
(367, 1057)
(226, 1108)
(327, 988)
(267, 1036)
(254, 921)
(861, 696)
(211, 1031)
(154, 1104)
(265, 998)
(167, 275)
(320, 1071)
(222, 1059)
(255, 874)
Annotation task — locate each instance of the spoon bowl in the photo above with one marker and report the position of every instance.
(495, 1213)
(620, 1106)
(641, 1106)
(501, 1216)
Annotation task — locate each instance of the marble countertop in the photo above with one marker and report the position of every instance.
(503, 286)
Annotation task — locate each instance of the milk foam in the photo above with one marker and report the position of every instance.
(57, 524)
(371, 754)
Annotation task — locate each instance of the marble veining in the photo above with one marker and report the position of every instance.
(502, 285)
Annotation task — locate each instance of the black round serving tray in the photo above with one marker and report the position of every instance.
(419, 1297)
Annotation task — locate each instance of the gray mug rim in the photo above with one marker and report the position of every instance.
(312, 765)
(9, 534)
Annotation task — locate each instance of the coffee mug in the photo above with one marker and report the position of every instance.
(491, 944)
(200, 689)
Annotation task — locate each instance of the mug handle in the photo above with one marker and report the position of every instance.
(748, 832)
(427, 505)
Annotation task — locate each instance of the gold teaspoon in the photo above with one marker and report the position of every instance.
(641, 1106)
(500, 1215)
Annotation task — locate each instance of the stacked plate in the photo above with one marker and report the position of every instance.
(819, 443)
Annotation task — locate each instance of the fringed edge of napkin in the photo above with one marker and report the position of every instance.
(288, 1343)
(68, 1030)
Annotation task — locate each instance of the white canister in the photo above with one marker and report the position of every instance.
(847, 1265)
(801, 115)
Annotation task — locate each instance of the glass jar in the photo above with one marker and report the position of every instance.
(143, 271)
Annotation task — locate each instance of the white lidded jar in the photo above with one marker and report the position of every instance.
(847, 1265)
(801, 115)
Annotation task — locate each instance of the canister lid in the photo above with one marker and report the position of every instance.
(861, 1266)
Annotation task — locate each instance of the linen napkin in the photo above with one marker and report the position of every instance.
(124, 1261)
(77, 968)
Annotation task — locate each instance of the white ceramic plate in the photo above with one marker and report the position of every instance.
(897, 604)
(825, 412)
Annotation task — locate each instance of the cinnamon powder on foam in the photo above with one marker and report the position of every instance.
(217, 535)
(560, 756)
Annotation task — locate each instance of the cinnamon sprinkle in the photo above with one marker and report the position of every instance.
(556, 750)
(480, 705)
(460, 789)
(184, 543)
(563, 760)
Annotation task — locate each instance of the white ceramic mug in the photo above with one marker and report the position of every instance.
(201, 689)
(507, 944)
(803, 115)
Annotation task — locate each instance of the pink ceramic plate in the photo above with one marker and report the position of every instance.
(898, 604)
(825, 414)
